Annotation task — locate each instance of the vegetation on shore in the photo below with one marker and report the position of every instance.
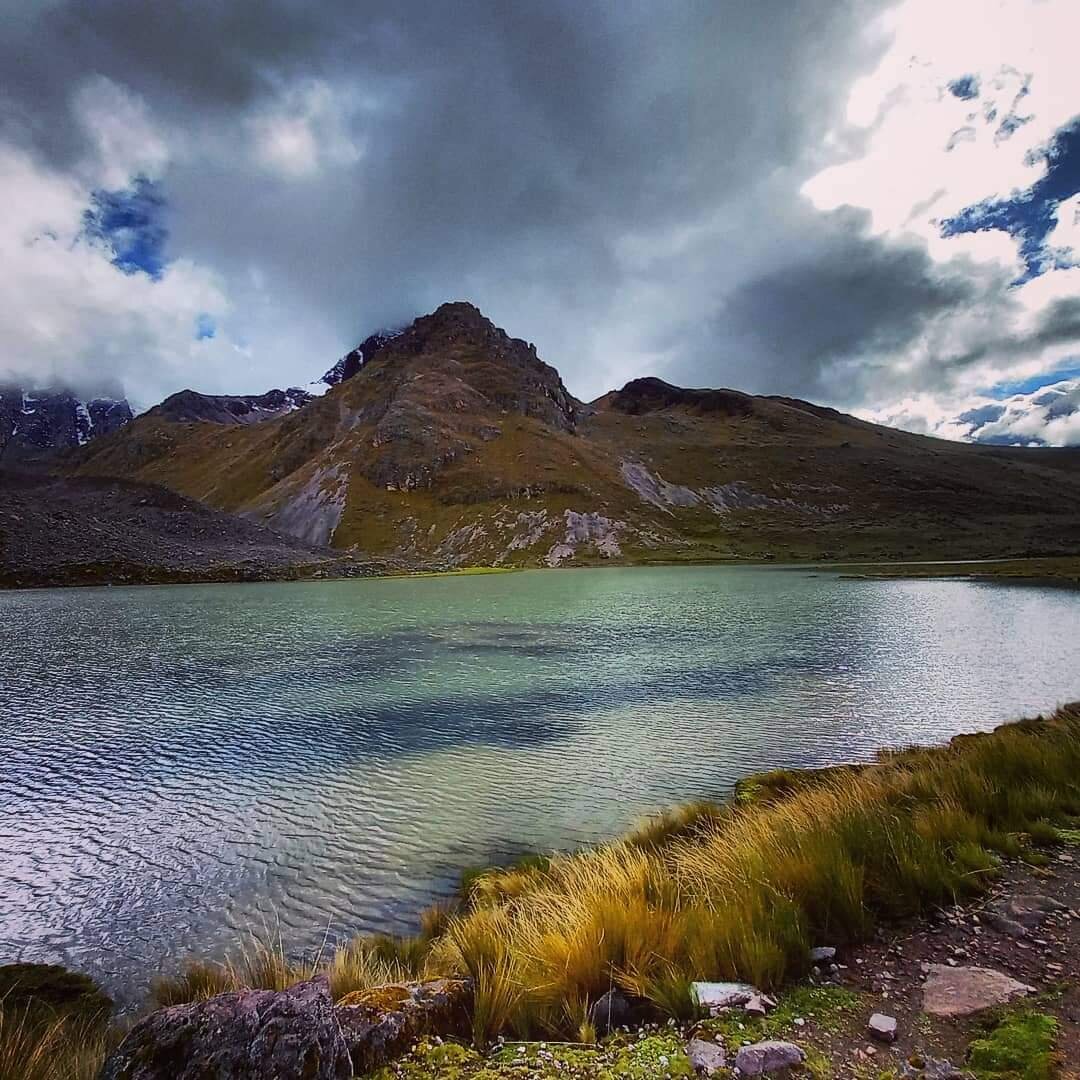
(1058, 570)
(738, 890)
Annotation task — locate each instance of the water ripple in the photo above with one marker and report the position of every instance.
(180, 764)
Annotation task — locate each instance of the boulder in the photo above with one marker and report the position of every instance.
(379, 1024)
(250, 1035)
(822, 954)
(962, 991)
(715, 996)
(882, 1027)
(767, 1057)
(609, 1011)
(707, 1058)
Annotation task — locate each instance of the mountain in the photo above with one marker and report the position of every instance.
(35, 421)
(189, 406)
(451, 443)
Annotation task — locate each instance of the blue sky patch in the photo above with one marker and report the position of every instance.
(1029, 216)
(965, 88)
(1033, 382)
(131, 222)
(205, 327)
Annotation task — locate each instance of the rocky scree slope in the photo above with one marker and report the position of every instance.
(89, 530)
(451, 443)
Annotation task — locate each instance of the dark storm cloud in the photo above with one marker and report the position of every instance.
(852, 297)
(540, 159)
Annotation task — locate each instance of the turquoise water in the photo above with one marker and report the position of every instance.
(178, 764)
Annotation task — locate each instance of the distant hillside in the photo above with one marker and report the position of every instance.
(86, 530)
(451, 443)
(33, 421)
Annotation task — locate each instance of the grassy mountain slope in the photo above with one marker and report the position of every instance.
(454, 444)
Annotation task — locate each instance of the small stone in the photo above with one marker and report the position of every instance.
(766, 1057)
(756, 1006)
(822, 953)
(882, 1027)
(707, 1058)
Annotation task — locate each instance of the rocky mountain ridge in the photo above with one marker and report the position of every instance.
(452, 443)
(37, 420)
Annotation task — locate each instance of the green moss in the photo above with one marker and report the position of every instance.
(653, 1056)
(826, 1007)
(428, 1059)
(641, 1057)
(1021, 1047)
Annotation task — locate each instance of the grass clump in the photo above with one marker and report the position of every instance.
(1020, 1047)
(743, 891)
(64, 1048)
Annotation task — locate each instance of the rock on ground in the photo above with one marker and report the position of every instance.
(707, 1058)
(962, 991)
(722, 995)
(609, 1011)
(290, 1035)
(380, 1024)
(882, 1027)
(769, 1056)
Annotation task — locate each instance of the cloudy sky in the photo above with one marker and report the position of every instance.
(870, 204)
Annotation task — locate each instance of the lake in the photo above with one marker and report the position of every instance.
(180, 764)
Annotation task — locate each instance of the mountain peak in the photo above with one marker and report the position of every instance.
(653, 395)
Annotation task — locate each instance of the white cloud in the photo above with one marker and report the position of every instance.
(305, 130)
(931, 152)
(67, 314)
(119, 126)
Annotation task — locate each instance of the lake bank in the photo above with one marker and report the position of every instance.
(847, 861)
(1063, 569)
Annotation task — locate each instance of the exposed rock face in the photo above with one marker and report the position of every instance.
(962, 991)
(32, 421)
(380, 1024)
(251, 1035)
(353, 361)
(187, 406)
(770, 1056)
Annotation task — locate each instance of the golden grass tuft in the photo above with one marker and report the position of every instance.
(59, 1049)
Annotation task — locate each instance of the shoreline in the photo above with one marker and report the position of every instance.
(1059, 570)
(530, 949)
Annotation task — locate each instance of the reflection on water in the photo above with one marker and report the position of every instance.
(180, 763)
